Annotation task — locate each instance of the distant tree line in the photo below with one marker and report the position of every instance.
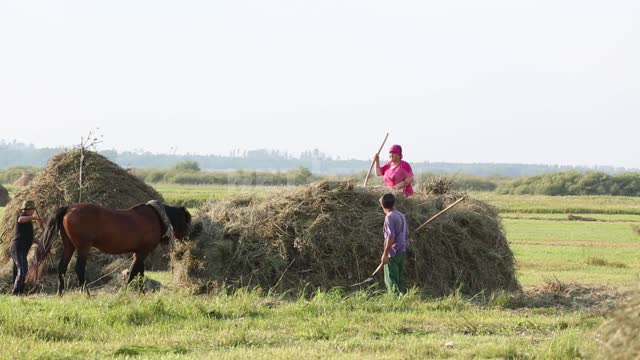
(574, 183)
(183, 176)
(14, 154)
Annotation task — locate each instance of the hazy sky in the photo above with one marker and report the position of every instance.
(554, 82)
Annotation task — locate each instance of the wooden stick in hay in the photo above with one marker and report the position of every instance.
(373, 162)
(440, 213)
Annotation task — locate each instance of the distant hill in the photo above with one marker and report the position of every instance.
(19, 154)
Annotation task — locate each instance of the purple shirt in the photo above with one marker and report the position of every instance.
(395, 226)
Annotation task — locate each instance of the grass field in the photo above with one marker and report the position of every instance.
(171, 325)
(538, 204)
(595, 253)
(193, 196)
(167, 325)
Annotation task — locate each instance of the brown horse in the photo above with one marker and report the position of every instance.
(136, 230)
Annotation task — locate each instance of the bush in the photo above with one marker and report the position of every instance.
(574, 183)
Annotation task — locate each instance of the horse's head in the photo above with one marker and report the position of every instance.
(180, 220)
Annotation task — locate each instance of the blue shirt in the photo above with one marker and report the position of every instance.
(395, 226)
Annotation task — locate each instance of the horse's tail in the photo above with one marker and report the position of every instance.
(54, 226)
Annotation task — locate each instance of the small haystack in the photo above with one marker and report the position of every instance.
(4, 196)
(24, 180)
(436, 185)
(621, 335)
(104, 183)
(329, 234)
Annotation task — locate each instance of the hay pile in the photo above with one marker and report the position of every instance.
(4, 196)
(620, 336)
(436, 185)
(329, 234)
(104, 183)
(24, 180)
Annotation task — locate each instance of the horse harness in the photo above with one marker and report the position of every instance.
(159, 208)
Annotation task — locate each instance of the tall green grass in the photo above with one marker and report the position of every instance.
(248, 324)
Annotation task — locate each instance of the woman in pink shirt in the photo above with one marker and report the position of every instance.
(397, 173)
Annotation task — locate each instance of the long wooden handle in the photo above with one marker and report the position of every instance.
(440, 213)
(373, 162)
(377, 269)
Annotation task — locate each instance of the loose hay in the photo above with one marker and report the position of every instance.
(620, 336)
(329, 234)
(4, 196)
(572, 217)
(436, 185)
(104, 183)
(567, 296)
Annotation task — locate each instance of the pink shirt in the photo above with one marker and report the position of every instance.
(398, 174)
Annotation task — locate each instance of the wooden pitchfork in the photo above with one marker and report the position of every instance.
(373, 162)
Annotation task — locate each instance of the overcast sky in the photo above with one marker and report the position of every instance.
(553, 82)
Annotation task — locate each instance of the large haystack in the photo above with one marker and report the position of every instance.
(104, 183)
(621, 335)
(4, 196)
(24, 180)
(330, 234)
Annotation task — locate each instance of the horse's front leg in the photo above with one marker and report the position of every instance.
(137, 268)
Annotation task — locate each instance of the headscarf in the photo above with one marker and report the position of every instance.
(396, 149)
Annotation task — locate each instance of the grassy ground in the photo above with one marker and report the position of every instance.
(562, 204)
(171, 325)
(167, 325)
(192, 196)
(594, 253)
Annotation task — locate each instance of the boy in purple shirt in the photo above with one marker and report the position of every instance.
(396, 241)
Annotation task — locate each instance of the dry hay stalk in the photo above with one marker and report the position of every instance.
(104, 183)
(4, 196)
(329, 234)
(620, 336)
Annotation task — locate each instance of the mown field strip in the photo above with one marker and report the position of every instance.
(538, 204)
(596, 253)
(565, 217)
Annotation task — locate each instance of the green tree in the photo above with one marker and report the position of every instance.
(187, 165)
